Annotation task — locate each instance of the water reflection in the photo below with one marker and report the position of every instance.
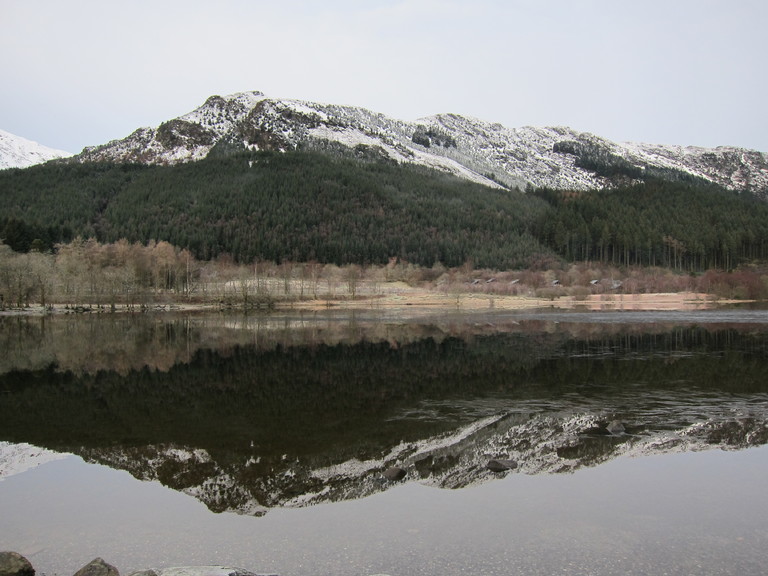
(250, 413)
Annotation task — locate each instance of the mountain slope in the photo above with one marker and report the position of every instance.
(18, 152)
(488, 153)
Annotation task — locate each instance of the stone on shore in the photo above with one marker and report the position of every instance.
(14, 564)
(97, 567)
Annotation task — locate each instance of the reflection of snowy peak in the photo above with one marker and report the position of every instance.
(18, 458)
(18, 152)
(467, 147)
(544, 444)
(574, 436)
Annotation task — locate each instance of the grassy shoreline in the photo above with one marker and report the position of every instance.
(415, 302)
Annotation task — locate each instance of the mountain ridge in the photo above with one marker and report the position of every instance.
(473, 149)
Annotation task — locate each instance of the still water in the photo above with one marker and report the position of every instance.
(261, 442)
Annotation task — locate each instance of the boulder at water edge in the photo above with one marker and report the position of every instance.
(14, 564)
(97, 567)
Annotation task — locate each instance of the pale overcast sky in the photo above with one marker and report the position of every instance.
(689, 72)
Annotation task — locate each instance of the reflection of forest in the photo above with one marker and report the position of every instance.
(128, 342)
(271, 392)
(124, 342)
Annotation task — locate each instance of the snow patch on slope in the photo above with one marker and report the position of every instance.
(18, 152)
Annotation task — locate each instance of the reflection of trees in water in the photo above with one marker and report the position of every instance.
(90, 343)
(302, 385)
(123, 342)
(271, 403)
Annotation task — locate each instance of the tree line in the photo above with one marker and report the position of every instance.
(86, 272)
(684, 226)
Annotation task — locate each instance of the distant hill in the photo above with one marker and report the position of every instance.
(18, 152)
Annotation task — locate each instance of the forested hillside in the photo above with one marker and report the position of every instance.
(272, 206)
(341, 209)
(688, 226)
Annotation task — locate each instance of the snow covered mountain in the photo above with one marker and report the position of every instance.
(18, 152)
(470, 148)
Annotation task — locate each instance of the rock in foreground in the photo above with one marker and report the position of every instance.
(97, 567)
(14, 564)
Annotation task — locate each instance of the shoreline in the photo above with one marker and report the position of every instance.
(417, 302)
(15, 564)
(475, 302)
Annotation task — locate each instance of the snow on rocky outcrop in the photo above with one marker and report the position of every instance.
(485, 152)
(18, 152)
